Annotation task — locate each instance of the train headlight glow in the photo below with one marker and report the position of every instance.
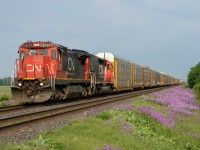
(20, 84)
(36, 44)
(41, 84)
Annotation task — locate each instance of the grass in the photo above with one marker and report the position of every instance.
(5, 94)
(190, 124)
(80, 135)
(5, 90)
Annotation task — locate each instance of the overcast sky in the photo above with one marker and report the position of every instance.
(161, 34)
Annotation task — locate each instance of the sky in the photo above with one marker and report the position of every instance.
(161, 34)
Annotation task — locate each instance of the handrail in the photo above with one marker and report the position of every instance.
(51, 77)
(12, 77)
(14, 72)
(92, 80)
(49, 69)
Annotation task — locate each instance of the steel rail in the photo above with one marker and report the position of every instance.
(8, 108)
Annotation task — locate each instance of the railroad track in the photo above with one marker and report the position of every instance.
(14, 122)
(9, 108)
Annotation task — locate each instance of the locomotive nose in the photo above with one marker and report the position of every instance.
(36, 66)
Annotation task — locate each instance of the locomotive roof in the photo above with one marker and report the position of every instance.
(61, 47)
(37, 44)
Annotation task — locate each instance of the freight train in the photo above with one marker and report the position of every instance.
(45, 70)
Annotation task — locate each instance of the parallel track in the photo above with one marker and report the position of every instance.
(18, 121)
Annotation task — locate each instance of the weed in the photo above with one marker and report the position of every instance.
(4, 97)
(104, 115)
(41, 143)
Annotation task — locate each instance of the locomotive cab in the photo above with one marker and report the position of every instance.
(45, 70)
(34, 72)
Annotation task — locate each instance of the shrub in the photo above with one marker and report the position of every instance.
(197, 89)
(194, 75)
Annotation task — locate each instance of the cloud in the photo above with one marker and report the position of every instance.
(113, 6)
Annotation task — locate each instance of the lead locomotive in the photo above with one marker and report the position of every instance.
(45, 70)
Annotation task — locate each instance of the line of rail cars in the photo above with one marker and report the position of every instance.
(129, 75)
(45, 70)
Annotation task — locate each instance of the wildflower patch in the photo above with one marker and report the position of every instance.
(178, 100)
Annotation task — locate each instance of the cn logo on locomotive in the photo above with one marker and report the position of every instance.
(32, 68)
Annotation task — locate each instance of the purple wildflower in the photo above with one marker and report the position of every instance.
(110, 122)
(109, 147)
(178, 99)
(126, 107)
(166, 120)
(125, 126)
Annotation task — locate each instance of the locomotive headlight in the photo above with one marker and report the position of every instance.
(41, 84)
(20, 84)
(36, 44)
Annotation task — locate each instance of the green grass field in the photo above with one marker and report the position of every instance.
(5, 90)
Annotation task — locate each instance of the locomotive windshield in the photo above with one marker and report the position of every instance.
(43, 52)
(32, 52)
(53, 54)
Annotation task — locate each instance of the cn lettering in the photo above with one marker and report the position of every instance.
(32, 68)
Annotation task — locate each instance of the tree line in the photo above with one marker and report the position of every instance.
(5, 81)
